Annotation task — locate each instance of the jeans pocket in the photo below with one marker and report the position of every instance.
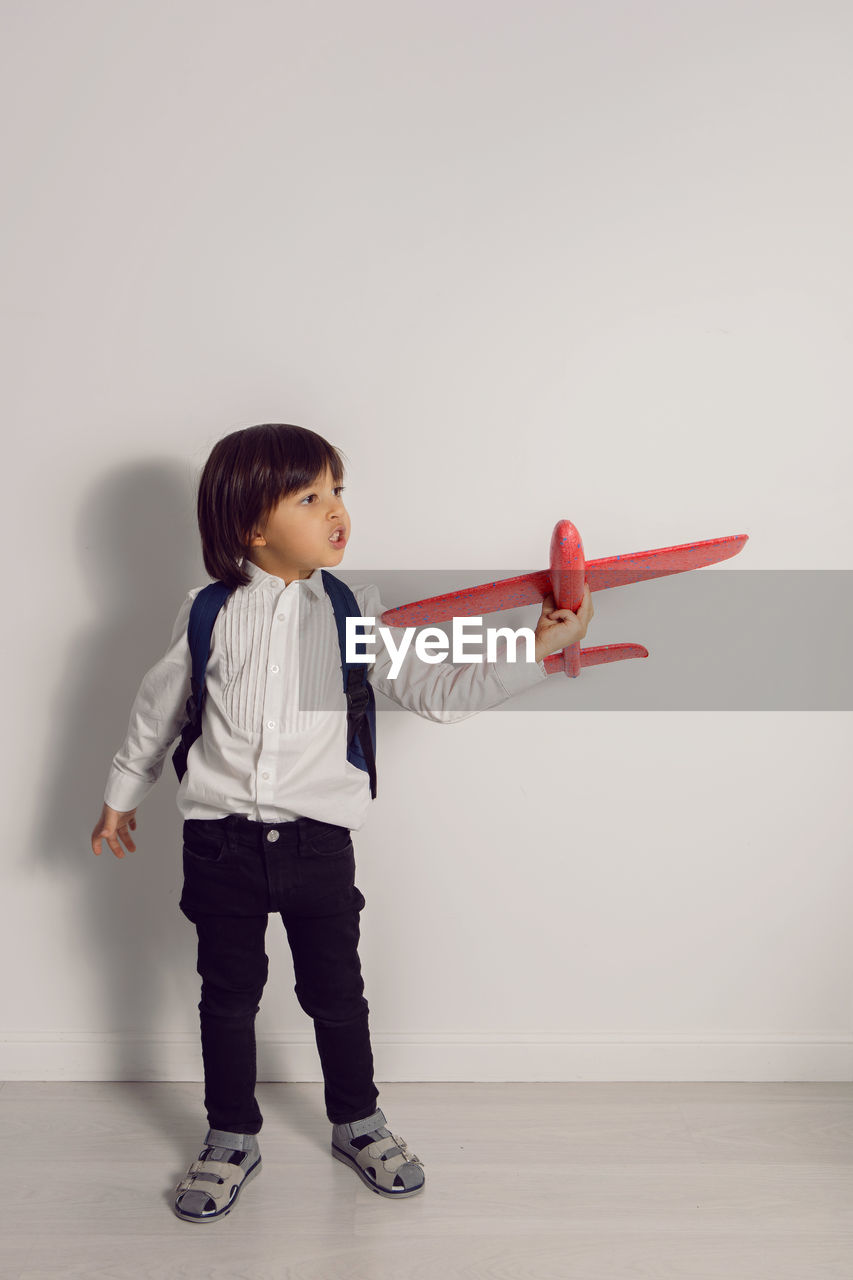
(325, 840)
(206, 838)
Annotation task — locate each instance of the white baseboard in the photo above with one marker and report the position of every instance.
(438, 1055)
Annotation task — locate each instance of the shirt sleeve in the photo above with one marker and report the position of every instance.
(156, 718)
(444, 691)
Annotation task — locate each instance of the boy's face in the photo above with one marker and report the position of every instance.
(297, 537)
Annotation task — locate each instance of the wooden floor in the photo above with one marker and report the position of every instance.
(547, 1181)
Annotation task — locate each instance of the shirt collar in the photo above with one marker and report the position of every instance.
(260, 579)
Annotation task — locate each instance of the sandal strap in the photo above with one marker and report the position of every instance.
(410, 1155)
(232, 1141)
(217, 1171)
(357, 1128)
(388, 1154)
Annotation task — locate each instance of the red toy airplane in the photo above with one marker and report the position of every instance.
(565, 582)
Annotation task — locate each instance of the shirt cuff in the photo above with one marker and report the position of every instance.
(125, 792)
(520, 675)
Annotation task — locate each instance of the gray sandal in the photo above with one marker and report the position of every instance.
(214, 1180)
(380, 1158)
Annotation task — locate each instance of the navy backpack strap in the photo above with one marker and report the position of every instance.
(361, 700)
(203, 615)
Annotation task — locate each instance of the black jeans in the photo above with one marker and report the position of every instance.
(236, 871)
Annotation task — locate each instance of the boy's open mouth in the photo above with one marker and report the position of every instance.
(338, 535)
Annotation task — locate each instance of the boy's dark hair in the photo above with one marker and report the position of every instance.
(244, 478)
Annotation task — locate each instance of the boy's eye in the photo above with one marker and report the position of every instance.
(339, 489)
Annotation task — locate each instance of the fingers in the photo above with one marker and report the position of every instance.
(110, 831)
(576, 622)
(584, 612)
(110, 837)
(100, 833)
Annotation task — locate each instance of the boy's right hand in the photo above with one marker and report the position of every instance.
(113, 824)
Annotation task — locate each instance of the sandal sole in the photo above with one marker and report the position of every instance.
(220, 1213)
(368, 1181)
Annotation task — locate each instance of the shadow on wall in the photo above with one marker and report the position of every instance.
(137, 539)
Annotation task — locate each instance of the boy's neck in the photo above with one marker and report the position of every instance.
(278, 571)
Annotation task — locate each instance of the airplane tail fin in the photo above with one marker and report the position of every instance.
(594, 656)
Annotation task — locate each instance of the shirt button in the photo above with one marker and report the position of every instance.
(273, 667)
(270, 724)
(265, 775)
(281, 617)
(272, 836)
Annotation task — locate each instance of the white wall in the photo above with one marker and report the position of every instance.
(520, 262)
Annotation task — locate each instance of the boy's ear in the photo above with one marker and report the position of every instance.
(255, 538)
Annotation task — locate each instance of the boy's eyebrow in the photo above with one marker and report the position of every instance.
(308, 488)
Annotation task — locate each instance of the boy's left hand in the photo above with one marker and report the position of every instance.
(558, 628)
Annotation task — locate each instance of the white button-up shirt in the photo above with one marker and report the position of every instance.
(273, 744)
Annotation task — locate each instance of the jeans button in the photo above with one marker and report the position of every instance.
(272, 836)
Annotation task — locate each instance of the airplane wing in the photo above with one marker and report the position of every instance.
(639, 566)
(532, 588)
